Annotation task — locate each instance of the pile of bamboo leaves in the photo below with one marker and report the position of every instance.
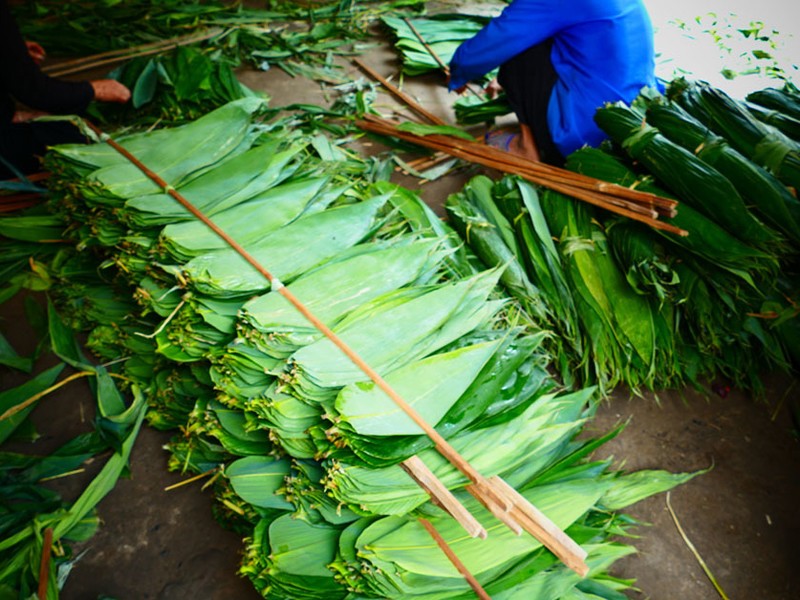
(282, 33)
(171, 88)
(642, 306)
(305, 453)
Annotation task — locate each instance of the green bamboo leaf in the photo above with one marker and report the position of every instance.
(63, 341)
(422, 129)
(367, 408)
(10, 358)
(259, 479)
(145, 87)
(15, 396)
(630, 488)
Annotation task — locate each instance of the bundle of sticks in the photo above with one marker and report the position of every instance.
(639, 206)
(106, 59)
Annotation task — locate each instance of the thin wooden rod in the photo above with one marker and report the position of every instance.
(44, 564)
(93, 62)
(453, 557)
(13, 206)
(487, 492)
(20, 197)
(413, 104)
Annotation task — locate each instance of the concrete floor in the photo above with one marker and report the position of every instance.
(742, 515)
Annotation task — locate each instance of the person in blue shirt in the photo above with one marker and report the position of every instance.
(560, 61)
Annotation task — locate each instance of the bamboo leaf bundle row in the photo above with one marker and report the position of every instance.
(290, 414)
(742, 243)
(760, 142)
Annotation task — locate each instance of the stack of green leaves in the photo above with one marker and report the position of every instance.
(759, 189)
(696, 143)
(302, 443)
(604, 330)
(762, 143)
(443, 33)
(705, 288)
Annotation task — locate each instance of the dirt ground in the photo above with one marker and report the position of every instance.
(742, 515)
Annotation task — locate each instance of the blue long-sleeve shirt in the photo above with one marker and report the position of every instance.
(602, 52)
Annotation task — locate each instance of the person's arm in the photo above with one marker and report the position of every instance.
(21, 78)
(522, 24)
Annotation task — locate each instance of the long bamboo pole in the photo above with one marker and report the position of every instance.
(494, 496)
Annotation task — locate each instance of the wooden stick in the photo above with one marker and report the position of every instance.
(40, 176)
(440, 541)
(44, 564)
(92, 62)
(441, 496)
(428, 162)
(20, 197)
(442, 446)
(532, 517)
(12, 206)
(121, 52)
(413, 104)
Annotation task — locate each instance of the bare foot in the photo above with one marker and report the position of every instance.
(518, 142)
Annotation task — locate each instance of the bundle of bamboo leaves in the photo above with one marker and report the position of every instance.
(646, 307)
(306, 450)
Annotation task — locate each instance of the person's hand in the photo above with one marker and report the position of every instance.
(110, 90)
(493, 88)
(23, 116)
(36, 52)
(458, 91)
